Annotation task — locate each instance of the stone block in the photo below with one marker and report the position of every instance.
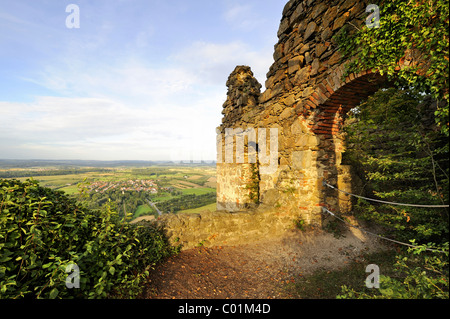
(277, 90)
(335, 58)
(320, 49)
(301, 159)
(288, 112)
(339, 22)
(296, 128)
(302, 75)
(326, 34)
(284, 25)
(288, 7)
(307, 91)
(318, 9)
(277, 108)
(296, 14)
(308, 57)
(304, 48)
(329, 16)
(295, 64)
(289, 100)
(296, 45)
(265, 96)
(347, 4)
(315, 67)
(279, 52)
(310, 29)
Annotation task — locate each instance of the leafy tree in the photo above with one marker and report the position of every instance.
(402, 156)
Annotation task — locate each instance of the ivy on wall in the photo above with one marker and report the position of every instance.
(253, 184)
(410, 46)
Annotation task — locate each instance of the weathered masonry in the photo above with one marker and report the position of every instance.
(305, 102)
(306, 99)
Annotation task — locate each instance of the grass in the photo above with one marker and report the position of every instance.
(142, 210)
(71, 190)
(162, 198)
(326, 284)
(210, 207)
(198, 191)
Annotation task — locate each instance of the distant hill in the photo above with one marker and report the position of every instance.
(11, 163)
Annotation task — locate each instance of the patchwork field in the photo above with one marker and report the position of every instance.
(175, 188)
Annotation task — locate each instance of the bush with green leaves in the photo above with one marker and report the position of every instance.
(43, 231)
(420, 274)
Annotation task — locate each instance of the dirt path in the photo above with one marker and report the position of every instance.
(254, 271)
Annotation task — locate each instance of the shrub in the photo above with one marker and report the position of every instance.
(420, 275)
(43, 231)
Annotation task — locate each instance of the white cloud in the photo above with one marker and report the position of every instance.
(242, 16)
(127, 89)
(130, 110)
(213, 62)
(93, 128)
(132, 78)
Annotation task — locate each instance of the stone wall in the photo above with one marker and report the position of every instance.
(224, 228)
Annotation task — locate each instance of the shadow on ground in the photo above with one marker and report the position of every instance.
(259, 270)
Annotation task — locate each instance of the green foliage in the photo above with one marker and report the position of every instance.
(418, 29)
(300, 224)
(334, 227)
(402, 157)
(327, 283)
(185, 202)
(126, 202)
(42, 231)
(253, 184)
(419, 275)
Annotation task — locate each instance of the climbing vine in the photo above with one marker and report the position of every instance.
(414, 33)
(253, 184)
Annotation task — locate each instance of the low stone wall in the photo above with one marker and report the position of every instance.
(221, 228)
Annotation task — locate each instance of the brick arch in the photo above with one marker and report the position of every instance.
(329, 105)
(331, 98)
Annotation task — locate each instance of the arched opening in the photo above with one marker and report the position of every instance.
(326, 120)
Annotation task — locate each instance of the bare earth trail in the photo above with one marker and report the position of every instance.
(258, 270)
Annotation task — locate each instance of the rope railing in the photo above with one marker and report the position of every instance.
(382, 201)
(373, 234)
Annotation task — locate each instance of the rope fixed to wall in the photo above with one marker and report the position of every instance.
(382, 201)
(325, 210)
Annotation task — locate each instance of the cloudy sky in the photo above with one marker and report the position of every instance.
(138, 80)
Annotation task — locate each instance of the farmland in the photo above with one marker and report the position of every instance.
(129, 189)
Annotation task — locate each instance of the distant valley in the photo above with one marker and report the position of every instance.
(134, 188)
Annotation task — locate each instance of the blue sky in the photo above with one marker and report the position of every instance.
(139, 80)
